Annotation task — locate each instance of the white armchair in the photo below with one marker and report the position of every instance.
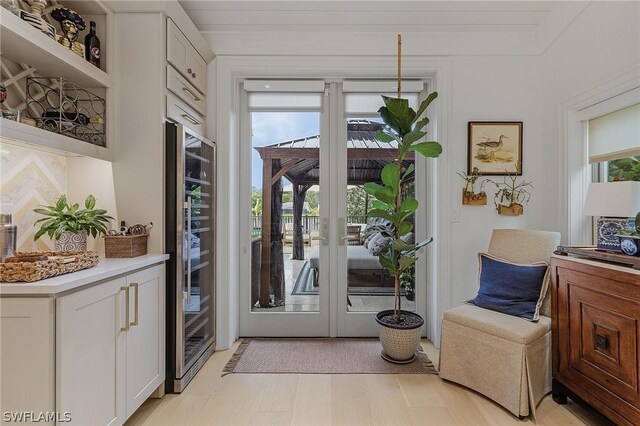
(505, 358)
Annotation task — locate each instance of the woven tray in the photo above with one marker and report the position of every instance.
(35, 271)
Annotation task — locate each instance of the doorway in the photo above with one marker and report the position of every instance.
(311, 271)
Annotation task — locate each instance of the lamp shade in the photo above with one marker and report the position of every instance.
(613, 199)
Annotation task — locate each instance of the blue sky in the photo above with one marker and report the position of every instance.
(268, 128)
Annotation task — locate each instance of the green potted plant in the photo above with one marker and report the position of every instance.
(68, 225)
(399, 330)
(469, 194)
(630, 239)
(511, 194)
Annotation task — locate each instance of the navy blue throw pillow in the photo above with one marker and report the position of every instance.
(511, 288)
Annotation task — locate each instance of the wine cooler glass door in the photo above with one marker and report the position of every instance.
(198, 245)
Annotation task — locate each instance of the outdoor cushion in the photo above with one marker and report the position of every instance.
(378, 245)
(511, 288)
(358, 257)
(373, 239)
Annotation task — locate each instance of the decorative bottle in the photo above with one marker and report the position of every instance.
(92, 46)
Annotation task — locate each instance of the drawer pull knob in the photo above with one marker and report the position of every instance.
(189, 91)
(189, 70)
(193, 75)
(602, 342)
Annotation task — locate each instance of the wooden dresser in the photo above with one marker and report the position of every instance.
(596, 336)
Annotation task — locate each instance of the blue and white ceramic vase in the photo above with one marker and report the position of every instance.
(630, 245)
(72, 241)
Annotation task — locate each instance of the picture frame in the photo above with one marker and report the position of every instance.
(495, 147)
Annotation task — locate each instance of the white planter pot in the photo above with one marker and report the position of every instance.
(399, 342)
(71, 241)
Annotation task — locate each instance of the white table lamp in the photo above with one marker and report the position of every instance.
(615, 203)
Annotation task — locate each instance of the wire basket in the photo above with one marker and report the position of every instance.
(62, 107)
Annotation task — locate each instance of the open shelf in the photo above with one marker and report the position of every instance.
(33, 135)
(22, 43)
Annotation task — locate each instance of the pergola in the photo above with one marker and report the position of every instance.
(299, 161)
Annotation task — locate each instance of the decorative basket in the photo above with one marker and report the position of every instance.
(59, 264)
(125, 245)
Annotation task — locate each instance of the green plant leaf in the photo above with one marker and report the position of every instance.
(384, 137)
(378, 204)
(411, 137)
(386, 195)
(404, 228)
(381, 213)
(371, 188)
(401, 113)
(39, 234)
(90, 202)
(409, 204)
(401, 246)
(409, 170)
(428, 149)
(421, 123)
(425, 104)
(61, 203)
(405, 261)
(390, 175)
(386, 258)
(388, 119)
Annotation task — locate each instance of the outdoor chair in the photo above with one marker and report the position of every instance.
(353, 235)
(503, 357)
(287, 235)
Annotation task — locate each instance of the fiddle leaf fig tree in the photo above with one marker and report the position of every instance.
(404, 127)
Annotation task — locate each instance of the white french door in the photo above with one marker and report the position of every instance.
(325, 283)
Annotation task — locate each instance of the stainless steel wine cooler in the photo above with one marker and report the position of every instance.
(190, 241)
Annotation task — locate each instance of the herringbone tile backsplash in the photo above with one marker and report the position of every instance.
(29, 178)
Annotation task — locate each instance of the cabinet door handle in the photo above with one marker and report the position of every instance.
(126, 308)
(193, 75)
(190, 119)
(136, 306)
(189, 70)
(193, 95)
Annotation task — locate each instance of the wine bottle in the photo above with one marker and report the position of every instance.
(92, 46)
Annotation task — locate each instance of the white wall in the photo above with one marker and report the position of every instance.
(601, 44)
(485, 89)
(603, 41)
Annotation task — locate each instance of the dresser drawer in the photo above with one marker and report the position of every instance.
(182, 113)
(184, 90)
(185, 58)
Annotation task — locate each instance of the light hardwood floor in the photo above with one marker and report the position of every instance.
(324, 399)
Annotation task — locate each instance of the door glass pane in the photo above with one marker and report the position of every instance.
(198, 247)
(285, 209)
(370, 287)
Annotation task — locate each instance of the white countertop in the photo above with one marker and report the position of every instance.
(105, 269)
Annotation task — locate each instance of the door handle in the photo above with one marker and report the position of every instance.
(342, 231)
(189, 207)
(126, 308)
(193, 95)
(324, 236)
(136, 306)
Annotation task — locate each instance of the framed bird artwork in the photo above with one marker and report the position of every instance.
(495, 147)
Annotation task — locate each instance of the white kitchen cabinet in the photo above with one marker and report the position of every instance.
(185, 58)
(111, 361)
(70, 345)
(145, 336)
(91, 354)
(27, 364)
